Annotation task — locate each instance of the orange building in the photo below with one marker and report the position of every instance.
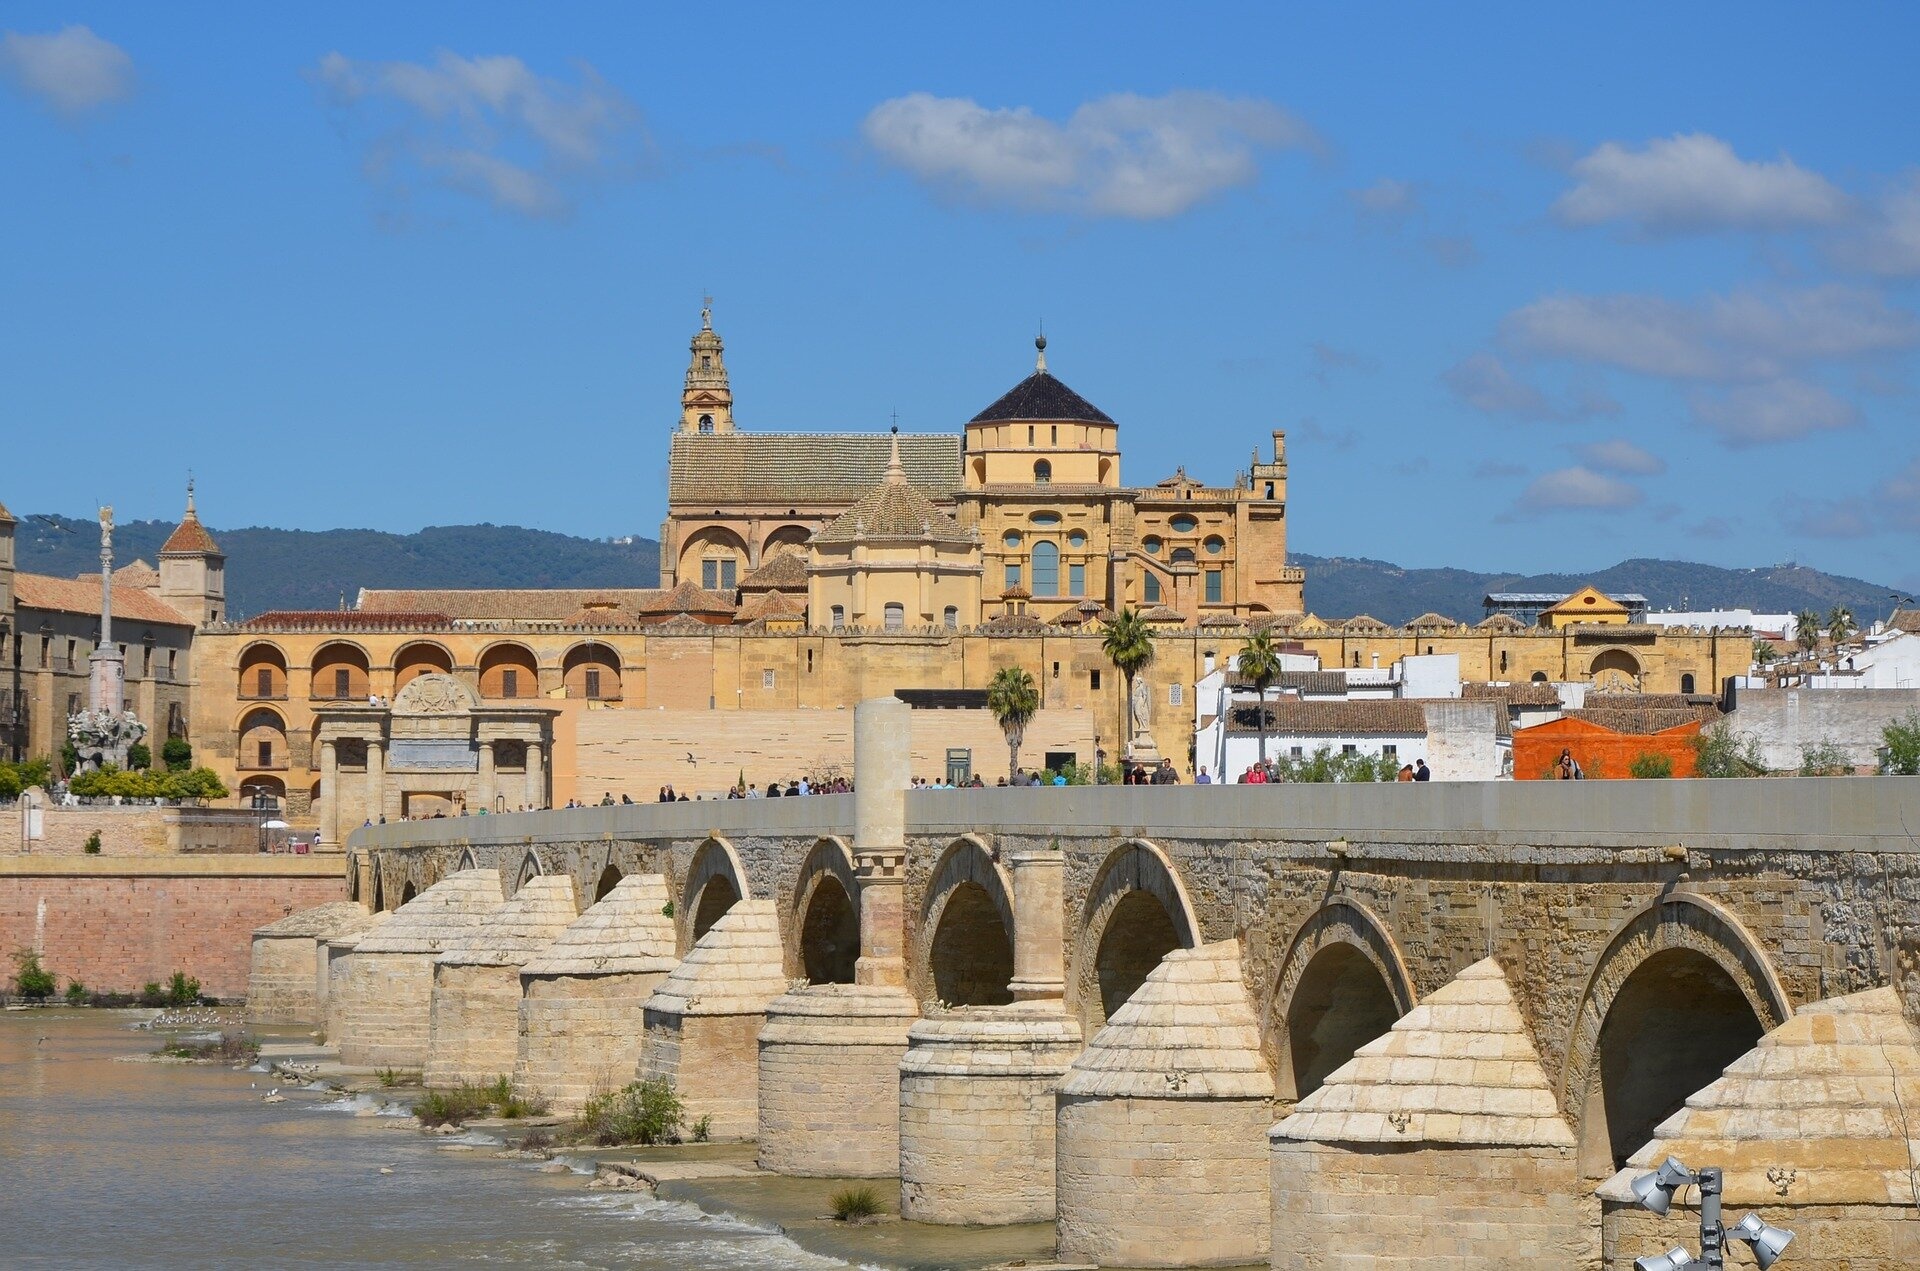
(1605, 743)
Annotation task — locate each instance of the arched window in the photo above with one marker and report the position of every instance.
(706, 424)
(895, 617)
(1011, 538)
(1076, 539)
(1215, 545)
(1539, 677)
(951, 617)
(1042, 472)
(1183, 556)
(1046, 568)
(1152, 545)
(1686, 682)
(838, 618)
(1150, 588)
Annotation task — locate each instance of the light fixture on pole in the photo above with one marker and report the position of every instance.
(1654, 1192)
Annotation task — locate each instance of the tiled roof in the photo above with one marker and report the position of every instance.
(1638, 723)
(625, 932)
(344, 619)
(1821, 1104)
(1012, 624)
(1392, 717)
(1458, 1068)
(507, 604)
(893, 509)
(82, 596)
(1190, 1017)
(1528, 694)
(772, 604)
(1363, 622)
(785, 571)
(1648, 701)
(190, 538)
(1431, 621)
(1043, 399)
(1160, 613)
(1318, 683)
(136, 574)
(687, 597)
(1907, 620)
(1500, 622)
(802, 468)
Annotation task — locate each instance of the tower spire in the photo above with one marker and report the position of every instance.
(896, 471)
(1040, 353)
(706, 403)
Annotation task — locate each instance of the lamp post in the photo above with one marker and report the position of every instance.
(1654, 1193)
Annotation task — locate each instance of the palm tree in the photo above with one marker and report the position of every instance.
(1763, 651)
(1259, 665)
(1013, 700)
(1129, 646)
(1806, 632)
(1839, 623)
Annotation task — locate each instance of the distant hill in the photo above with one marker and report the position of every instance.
(308, 569)
(1340, 587)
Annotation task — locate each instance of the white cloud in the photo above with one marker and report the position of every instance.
(1485, 383)
(1696, 182)
(72, 70)
(1892, 504)
(1387, 200)
(1778, 410)
(1454, 250)
(1326, 360)
(1577, 489)
(1741, 336)
(1621, 457)
(1124, 155)
(1887, 240)
(488, 126)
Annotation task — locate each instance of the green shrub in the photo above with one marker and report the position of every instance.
(391, 1077)
(666, 910)
(10, 783)
(150, 994)
(76, 993)
(1648, 766)
(1721, 752)
(644, 1112)
(701, 1130)
(139, 757)
(850, 1204)
(31, 981)
(1901, 756)
(453, 1106)
(200, 783)
(177, 754)
(232, 1048)
(181, 990)
(1824, 759)
(92, 845)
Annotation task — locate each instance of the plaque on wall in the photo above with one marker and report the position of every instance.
(432, 755)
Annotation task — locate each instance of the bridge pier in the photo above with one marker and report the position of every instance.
(286, 975)
(474, 1019)
(387, 1002)
(830, 1053)
(582, 1012)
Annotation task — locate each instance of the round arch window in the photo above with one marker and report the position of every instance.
(1042, 471)
(1183, 524)
(1215, 545)
(1011, 538)
(1152, 545)
(1183, 556)
(1076, 540)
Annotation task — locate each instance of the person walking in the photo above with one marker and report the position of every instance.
(1421, 771)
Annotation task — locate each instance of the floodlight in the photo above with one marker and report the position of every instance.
(1655, 1191)
(1767, 1242)
(1674, 1257)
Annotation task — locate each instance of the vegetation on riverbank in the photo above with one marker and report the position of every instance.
(227, 1048)
(857, 1203)
(456, 1105)
(644, 1112)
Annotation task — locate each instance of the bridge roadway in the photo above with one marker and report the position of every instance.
(1698, 912)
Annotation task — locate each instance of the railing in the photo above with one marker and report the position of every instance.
(278, 765)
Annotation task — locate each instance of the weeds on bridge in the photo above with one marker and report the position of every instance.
(456, 1105)
(856, 1204)
(645, 1112)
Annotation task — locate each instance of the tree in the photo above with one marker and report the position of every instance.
(1013, 700)
(1839, 624)
(1902, 738)
(1721, 752)
(139, 757)
(1259, 664)
(1763, 651)
(1806, 631)
(1129, 646)
(177, 754)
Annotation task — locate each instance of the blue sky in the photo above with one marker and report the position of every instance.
(1528, 290)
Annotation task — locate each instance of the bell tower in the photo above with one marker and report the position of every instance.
(706, 404)
(193, 569)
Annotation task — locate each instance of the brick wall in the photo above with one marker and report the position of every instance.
(134, 831)
(115, 925)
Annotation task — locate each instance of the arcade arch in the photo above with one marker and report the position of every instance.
(1343, 983)
(263, 673)
(788, 538)
(967, 928)
(826, 914)
(592, 671)
(714, 557)
(341, 673)
(509, 671)
(263, 740)
(529, 870)
(1136, 914)
(417, 659)
(1681, 991)
(609, 879)
(715, 883)
(408, 892)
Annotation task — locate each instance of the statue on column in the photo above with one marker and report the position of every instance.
(101, 733)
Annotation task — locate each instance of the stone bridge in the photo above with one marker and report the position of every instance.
(1649, 933)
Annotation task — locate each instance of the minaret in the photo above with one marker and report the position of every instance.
(193, 570)
(706, 404)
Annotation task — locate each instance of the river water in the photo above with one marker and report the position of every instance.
(116, 1164)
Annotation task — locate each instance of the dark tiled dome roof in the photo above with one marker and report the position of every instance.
(1042, 398)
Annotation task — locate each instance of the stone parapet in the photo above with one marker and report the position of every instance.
(977, 1116)
(830, 1080)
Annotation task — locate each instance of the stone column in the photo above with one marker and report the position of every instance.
(328, 813)
(536, 774)
(882, 770)
(1039, 925)
(376, 777)
(483, 784)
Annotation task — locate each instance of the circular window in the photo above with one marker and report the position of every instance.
(1011, 538)
(1045, 518)
(1076, 539)
(1215, 545)
(1183, 524)
(1152, 545)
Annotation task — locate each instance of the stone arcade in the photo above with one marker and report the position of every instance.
(1380, 1026)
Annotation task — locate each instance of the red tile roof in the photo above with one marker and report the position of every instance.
(190, 538)
(344, 619)
(82, 596)
(506, 604)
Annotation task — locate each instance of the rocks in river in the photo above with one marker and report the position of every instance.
(275, 1097)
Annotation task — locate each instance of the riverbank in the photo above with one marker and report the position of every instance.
(186, 1165)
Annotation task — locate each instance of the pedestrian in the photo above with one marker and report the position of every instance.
(1421, 771)
(1203, 779)
(1406, 772)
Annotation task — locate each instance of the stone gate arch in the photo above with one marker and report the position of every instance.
(1343, 983)
(825, 923)
(966, 933)
(715, 883)
(1680, 991)
(1136, 913)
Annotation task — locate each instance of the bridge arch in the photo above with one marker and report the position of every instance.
(609, 879)
(530, 869)
(1343, 983)
(467, 861)
(408, 892)
(715, 883)
(1681, 990)
(826, 915)
(966, 927)
(1136, 913)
